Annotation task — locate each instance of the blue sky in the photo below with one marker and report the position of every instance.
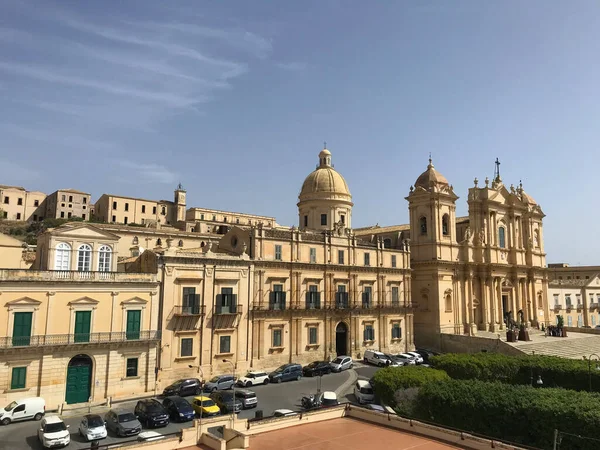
(234, 100)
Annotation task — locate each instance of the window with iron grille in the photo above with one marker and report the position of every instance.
(277, 298)
(313, 297)
(367, 297)
(341, 297)
(132, 367)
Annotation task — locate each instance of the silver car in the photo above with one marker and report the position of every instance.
(341, 363)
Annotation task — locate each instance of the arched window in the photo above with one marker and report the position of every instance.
(445, 225)
(84, 258)
(135, 240)
(202, 244)
(158, 242)
(180, 243)
(502, 237)
(387, 243)
(423, 225)
(448, 303)
(62, 257)
(104, 258)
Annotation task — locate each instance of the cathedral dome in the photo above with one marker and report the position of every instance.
(324, 181)
(430, 176)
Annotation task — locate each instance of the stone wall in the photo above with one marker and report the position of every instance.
(455, 343)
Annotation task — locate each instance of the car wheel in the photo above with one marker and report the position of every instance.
(38, 416)
(328, 371)
(278, 380)
(298, 378)
(248, 383)
(365, 360)
(6, 421)
(266, 381)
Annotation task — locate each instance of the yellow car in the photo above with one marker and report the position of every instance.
(205, 407)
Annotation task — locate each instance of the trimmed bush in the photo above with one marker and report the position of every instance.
(519, 414)
(555, 372)
(388, 381)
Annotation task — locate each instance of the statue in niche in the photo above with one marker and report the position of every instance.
(482, 237)
(467, 234)
(535, 239)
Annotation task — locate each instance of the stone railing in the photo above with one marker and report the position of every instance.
(72, 275)
(79, 339)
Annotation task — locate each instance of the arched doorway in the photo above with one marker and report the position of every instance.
(79, 379)
(341, 339)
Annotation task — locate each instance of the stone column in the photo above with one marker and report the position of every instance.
(544, 306)
(586, 308)
(500, 315)
(469, 302)
(483, 301)
(524, 305)
(489, 282)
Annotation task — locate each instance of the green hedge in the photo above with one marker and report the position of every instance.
(519, 414)
(555, 372)
(388, 381)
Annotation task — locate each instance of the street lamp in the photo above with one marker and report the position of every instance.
(539, 382)
(201, 389)
(590, 358)
(232, 387)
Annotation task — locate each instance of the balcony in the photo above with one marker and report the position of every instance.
(341, 300)
(579, 306)
(367, 301)
(277, 301)
(557, 307)
(227, 305)
(593, 305)
(73, 275)
(569, 306)
(188, 310)
(55, 340)
(313, 300)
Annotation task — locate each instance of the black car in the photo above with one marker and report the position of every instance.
(226, 401)
(426, 354)
(317, 368)
(151, 413)
(178, 408)
(184, 387)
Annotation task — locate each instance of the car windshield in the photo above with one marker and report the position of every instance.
(181, 403)
(154, 407)
(366, 390)
(338, 360)
(207, 403)
(280, 369)
(55, 427)
(227, 396)
(11, 406)
(126, 417)
(95, 421)
(250, 375)
(214, 380)
(175, 385)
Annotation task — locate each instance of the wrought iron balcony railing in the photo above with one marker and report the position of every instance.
(313, 300)
(277, 301)
(341, 300)
(188, 310)
(79, 338)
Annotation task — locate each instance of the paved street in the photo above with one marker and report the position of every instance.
(22, 435)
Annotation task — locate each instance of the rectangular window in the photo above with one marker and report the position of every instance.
(277, 338)
(305, 221)
(367, 297)
(226, 301)
(114, 205)
(84, 200)
(143, 209)
(62, 214)
(396, 331)
(22, 328)
(18, 216)
(69, 214)
(83, 216)
(313, 297)
(191, 301)
(340, 256)
(125, 221)
(237, 220)
(35, 217)
(367, 259)
(5, 214)
(395, 296)
(6, 200)
(278, 252)
(393, 260)
(63, 197)
(36, 203)
(341, 297)
(343, 218)
(83, 321)
(277, 298)
(187, 346)
(568, 299)
(369, 333)
(312, 335)
(154, 210)
(134, 322)
(126, 206)
(323, 219)
(214, 218)
(70, 198)
(313, 255)
(19, 378)
(114, 219)
(225, 344)
(19, 201)
(578, 297)
(132, 367)
(556, 299)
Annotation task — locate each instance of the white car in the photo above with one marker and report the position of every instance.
(284, 413)
(418, 358)
(363, 392)
(54, 432)
(253, 378)
(149, 436)
(341, 363)
(407, 359)
(92, 427)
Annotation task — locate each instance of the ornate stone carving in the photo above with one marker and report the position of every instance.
(244, 273)
(169, 270)
(114, 294)
(482, 237)
(209, 271)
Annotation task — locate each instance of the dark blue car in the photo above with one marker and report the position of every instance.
(178, 408)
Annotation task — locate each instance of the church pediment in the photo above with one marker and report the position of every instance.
(83, 301)
(594, 281)
(23, 302)
(84, 231)
(134, 301)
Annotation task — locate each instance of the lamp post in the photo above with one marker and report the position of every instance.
(201, 389)
(589, 359)
(233, 387)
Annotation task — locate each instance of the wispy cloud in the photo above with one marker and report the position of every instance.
(148, 173)
(291, 66)
(13, 173)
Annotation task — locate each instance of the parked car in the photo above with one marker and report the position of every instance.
(341, 363)
(426, 354)
(226, 401)
(122, 422)
(377, 358)
(178, 408)
(417, 356)
(54, 433)
(218, 383)
(247, 397)
(151, 413)
(394, 360)
(149, 436)
(363, 392)
(25, 409)
(328, 398)
(286, 372)
(184, 387)
(374, 407)
(408, 360)
(92, 427)
(284, 413)
(317, 368)
(205, 406)
(253, 378)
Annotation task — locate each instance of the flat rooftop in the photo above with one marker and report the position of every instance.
(344, 433)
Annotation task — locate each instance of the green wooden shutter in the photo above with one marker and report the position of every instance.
(22, 328)
(83, 320)
(133, 324)
(19, 376)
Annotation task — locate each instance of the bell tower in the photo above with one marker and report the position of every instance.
(180, 203)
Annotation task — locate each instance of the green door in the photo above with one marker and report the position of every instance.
(133, 324)
(78, 380)
(22, 329)
(83, 320)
